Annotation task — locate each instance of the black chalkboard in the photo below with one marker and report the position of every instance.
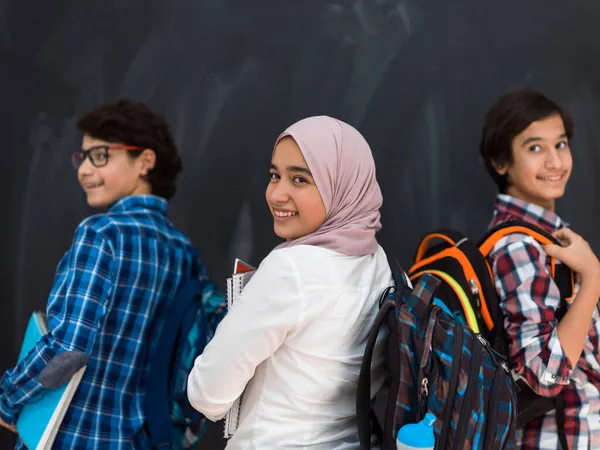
(414, 76)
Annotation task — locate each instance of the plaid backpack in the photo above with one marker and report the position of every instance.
(467, 292)
(435, 365)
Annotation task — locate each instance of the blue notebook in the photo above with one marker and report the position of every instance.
(39, 422)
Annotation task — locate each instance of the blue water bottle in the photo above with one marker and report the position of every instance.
(417, 436)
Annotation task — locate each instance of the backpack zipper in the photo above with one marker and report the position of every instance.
(424, 397)
(453, 384)
(476, 295)
(430, 375)
(472, 383)
(426, 366)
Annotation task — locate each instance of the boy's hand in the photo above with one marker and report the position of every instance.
(577, 254)
(7, 426)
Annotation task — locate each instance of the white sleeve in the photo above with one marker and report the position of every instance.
(251, 332)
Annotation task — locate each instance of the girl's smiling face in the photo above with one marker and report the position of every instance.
(292, 194)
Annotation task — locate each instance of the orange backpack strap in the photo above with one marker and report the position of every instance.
(539, 234)
(450, 237)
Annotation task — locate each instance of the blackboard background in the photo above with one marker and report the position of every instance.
(414, 76)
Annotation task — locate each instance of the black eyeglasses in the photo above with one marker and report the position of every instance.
(98, 154)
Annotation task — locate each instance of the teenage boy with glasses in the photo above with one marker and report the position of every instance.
(112, 287)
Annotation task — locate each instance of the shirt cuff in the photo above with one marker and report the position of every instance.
(559, 367)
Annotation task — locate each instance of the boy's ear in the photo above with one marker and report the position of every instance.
(148, 160)
(500, 168)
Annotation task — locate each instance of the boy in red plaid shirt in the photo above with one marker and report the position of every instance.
(525, 147)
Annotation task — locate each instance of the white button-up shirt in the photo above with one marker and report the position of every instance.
(293, 344)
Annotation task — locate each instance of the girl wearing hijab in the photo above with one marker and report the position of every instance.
(294, 341)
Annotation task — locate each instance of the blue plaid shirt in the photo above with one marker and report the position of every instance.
(108, 298)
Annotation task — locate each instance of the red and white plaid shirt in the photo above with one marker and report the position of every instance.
(529, 298)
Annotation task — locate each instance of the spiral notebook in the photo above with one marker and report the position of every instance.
(242, 272)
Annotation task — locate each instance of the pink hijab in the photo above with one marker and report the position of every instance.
(342, 166)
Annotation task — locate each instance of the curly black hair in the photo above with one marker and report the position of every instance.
(130, 122)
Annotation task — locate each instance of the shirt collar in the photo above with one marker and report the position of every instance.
(508, 207)
(140, 202)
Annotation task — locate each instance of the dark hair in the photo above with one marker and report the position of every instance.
(510, 115)
(129, 122)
